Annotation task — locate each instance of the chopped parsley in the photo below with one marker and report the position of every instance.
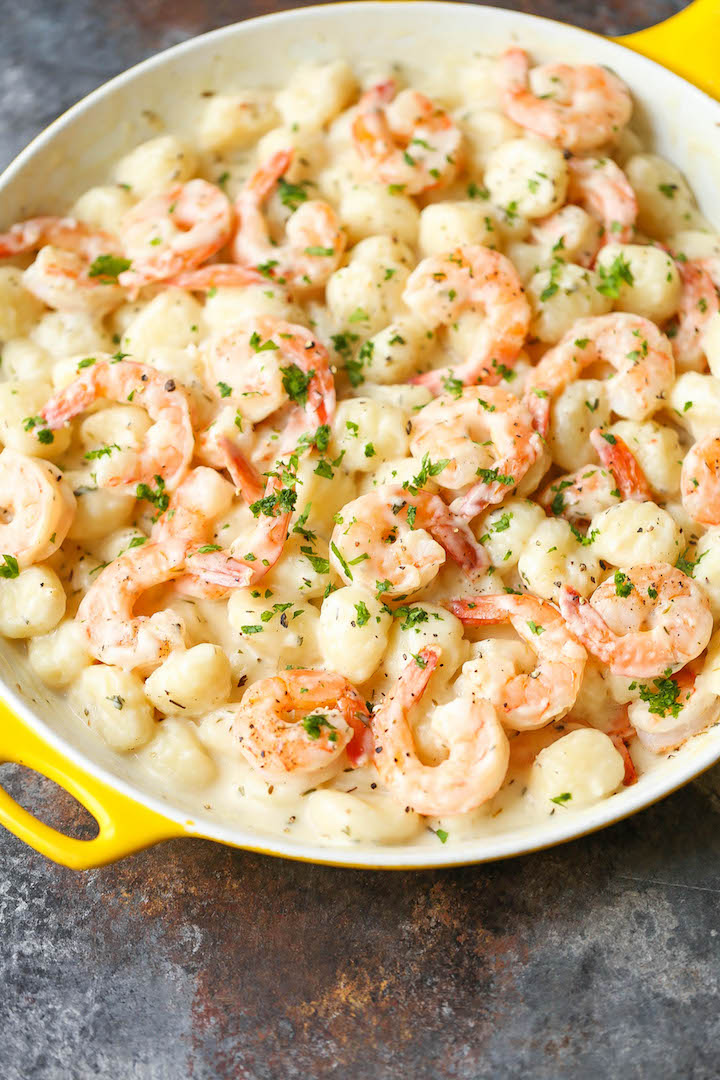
(362, 614)
(428, 469)
(10, 569)
(612, 278)
(291, 195)
(623, 584)
(313, 723)
(159, 499)
(108, 268)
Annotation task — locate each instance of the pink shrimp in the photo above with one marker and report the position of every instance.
(300, 722)
(37, 507)
(643, 621)
(249, 363)
(600, 186)
(581, 495)
(223, 446)
(211, 573)
(405, 139)
(168, 444)
(640, 353)
(66, 233)
(478, 749)
(700, 481)
(174, 231)
(75, 269)
(218, 276)
(470, 279)
(586, 105)
(531, 700)
(115, 634)
(486, 432)
(396, 541)
(672, 710)
(314, 241)
(698, 304)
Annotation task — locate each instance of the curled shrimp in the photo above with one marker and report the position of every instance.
(223, 446)
(471, 279)
(484, 431)
(314, 242)
(566, 231)
(168, 444)
(66, 281)
(37, 507)
(641, 622)
(405, 139)
(268, 361)
(68, 274)
(700, 481)
(218, 276)
(174, 231)
(66, 233)
(586, 106)
(581, 495)
(478, 749)
(395, 542)
(640, 353)
(301, 722)
(600, 186)
(115, 634)
(212, 573)
(699, 302)
(672, 709)
(532, 700)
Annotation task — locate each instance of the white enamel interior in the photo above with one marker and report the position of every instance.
(674, 118)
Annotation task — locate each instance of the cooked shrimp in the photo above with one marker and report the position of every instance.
(224, 446)
(618, 458)
(600, 186)
(37, 507)
(640, 353)
(671, 710)
(177, 552)
(174, 231)
(643, 621)
(581, 495)
(72, 271)
(218, 276)
(314, 242)
(405, 139)
(533, 699)
(485, 431)
(478, 749)
(212, 573)
(118, 636)
(698, 303)
(168, 445)
(67, 281)
(585, 107)
(301, 722)
(457, 428)
(472, 279)
(264, 363)
(700, 481)
(394, 542)
(65, 233)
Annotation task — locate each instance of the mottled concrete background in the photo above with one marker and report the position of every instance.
(598, 959)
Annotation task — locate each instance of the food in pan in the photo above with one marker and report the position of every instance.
(361, 466)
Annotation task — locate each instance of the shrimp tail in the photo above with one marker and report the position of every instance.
(618, 458)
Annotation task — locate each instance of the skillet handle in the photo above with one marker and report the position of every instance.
(125, 826)
(688, 44)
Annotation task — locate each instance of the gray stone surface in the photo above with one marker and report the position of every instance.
(597, 959)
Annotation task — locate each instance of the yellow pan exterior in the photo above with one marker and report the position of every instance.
(689, 45)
